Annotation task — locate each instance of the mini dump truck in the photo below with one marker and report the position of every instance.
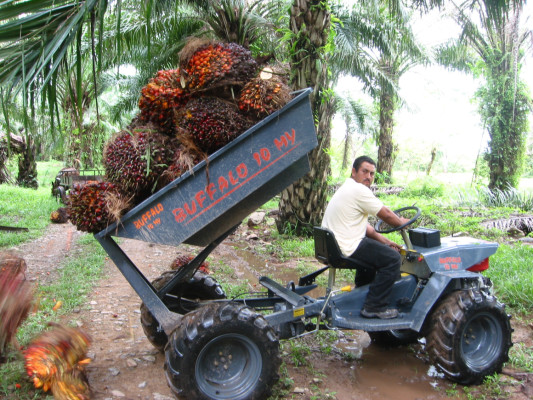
(67, 177)
(216, 348)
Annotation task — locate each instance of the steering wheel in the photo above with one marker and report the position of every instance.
(397, 212)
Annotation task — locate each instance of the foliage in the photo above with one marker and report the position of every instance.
(291, 247)
(24, 208)
(426, 187)
(504, 106)
(521, 357)
(484, 197)
(514, 282)
(493, 48)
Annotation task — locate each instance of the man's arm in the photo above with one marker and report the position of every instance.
(372, 234)
(390, 218)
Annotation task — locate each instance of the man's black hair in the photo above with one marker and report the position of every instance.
(359, 160)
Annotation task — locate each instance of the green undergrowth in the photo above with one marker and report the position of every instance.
(24, 208)
(510, 272)
(28, 208)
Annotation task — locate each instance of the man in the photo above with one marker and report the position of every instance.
(347, 217)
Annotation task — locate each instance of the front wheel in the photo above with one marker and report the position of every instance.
(200, 287)
(470, 336)
(222, 351)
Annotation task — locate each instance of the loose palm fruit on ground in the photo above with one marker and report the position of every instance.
(216, 64)
(94, 206)
(56, 359)
(59, 216)
(263, 95)
(160, 98)
(135, 160)
(211, 123)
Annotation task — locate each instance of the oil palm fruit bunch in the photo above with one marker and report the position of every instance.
(135, 160)
(59, 216)
(215, 64)
(263, 95)
(16, 298)
(183, 259)
(160, 98)
(93, 206)
(72, 386)
(185, 158)
(210, 122)
(55, 361)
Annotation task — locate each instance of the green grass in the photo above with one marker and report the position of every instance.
(510, 271)
(28, 208)
(287, 247)
(24, 208)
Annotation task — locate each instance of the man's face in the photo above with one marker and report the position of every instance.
(365, 174)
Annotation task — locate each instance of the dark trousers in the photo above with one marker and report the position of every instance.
(386, 264)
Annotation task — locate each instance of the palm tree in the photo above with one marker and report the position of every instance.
(495, 49)
(321, 51)
(357, 119)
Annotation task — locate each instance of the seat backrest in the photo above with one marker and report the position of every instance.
(328, 252)
(326, 247)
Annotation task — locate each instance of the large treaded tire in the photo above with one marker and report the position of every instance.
(200, 287)
(394, 338)
(222, 351)
(470, 336)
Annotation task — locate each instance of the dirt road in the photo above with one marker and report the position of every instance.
(126, 366)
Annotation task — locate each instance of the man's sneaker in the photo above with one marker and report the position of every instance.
(384, 314)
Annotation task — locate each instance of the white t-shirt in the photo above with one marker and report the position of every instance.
(347, 214)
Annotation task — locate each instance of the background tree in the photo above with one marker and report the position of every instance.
(357, 120)
(493, 49)
(301, 204)
(392, 61)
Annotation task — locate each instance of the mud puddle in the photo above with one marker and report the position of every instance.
(357, 368)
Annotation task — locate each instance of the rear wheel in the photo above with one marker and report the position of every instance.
(222, 351)
(470, 336)
(200, 287)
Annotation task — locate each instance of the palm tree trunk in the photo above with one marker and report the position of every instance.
(387, 149)
(27, 175)
(301, 204)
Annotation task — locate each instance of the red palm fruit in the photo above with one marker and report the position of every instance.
(211, 123)
(263, 95)
(56, 360)
(134, 161)
(89, 206)
(183, 259)
(160, 98)
(16, 298)
(184, 160)
(217, 63)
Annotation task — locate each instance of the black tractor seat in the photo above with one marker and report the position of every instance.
(327, 251)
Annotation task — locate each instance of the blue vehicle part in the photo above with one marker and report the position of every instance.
(203, 207)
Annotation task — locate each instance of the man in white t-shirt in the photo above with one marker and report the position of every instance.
(347, 217)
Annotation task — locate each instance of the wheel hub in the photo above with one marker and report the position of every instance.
(228, 367)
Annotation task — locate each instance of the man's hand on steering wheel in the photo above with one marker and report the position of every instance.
(404, 221)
